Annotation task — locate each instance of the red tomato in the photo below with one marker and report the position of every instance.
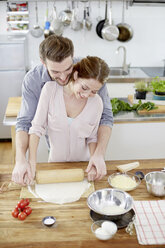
(27, 210)
(16, 207)
(21, 204)
(27, 201)
(15, 213)
(22, 216)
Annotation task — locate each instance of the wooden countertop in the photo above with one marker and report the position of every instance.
(73, 220)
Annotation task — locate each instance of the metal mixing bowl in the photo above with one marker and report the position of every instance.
(155, 183)
(111, 202)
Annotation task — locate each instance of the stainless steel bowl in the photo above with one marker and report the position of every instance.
(110, 202)
(123, 178)
(155, 183)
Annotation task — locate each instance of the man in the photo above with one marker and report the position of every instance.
(56, 54)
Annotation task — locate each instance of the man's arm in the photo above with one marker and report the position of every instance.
(104, 133)
(97, 159)
(30, 94)
(22, 166)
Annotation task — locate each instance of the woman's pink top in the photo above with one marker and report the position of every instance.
(68, 138)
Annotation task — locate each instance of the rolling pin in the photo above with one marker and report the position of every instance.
(59, 176)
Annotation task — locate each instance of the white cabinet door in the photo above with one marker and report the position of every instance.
(12, 56)
(10, 86)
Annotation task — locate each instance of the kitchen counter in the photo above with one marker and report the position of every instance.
(137, 74)
(133, 116)
(73, 228)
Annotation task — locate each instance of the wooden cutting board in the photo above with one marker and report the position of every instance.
(159, 110)
(13, 106)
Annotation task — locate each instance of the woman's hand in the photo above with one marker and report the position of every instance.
(96, 168)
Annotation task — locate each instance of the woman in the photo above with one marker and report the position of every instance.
(70, 114)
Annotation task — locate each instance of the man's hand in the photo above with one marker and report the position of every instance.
(22, 173)
(96, 168)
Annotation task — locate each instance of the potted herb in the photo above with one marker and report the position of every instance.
(141, 89)
(158, 88)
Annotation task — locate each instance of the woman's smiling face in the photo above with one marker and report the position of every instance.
(84, 88)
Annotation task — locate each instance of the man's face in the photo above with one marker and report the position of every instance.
(60, 71)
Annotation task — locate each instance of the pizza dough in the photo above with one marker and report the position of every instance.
(61, 192)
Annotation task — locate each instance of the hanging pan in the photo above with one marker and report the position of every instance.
(100, 24)
(125, 30)
(110, 32)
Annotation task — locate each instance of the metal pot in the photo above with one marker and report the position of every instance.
(155, 183)
(100, 24)
(125, 30)
(110, 32)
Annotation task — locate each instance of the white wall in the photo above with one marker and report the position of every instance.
(147, 48)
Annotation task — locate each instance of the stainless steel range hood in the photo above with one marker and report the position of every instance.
(147, 2)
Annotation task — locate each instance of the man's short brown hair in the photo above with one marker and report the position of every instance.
(56, 48)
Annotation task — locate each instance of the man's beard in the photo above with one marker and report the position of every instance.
(62, 83)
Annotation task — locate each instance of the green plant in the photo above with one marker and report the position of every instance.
(157, 85)
(142, 86)
(119, 105)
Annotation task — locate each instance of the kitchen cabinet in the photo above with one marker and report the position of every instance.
(12, 72)
(133, 136)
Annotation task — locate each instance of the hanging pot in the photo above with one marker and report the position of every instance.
(110, 32)
(100, 24)
(125, 30)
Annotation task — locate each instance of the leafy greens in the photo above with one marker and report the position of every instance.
(119, 105)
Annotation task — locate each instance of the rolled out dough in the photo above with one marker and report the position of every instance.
(61, 193)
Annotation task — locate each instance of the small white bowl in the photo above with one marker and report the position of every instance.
(49, 221)
(103, 232)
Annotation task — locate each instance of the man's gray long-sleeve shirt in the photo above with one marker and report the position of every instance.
(31, 89)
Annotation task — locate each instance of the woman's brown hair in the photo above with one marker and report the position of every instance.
(56, 48)
(92, 67)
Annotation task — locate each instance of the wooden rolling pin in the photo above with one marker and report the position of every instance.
(59, 176)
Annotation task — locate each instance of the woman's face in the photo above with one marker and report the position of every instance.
(84, 88)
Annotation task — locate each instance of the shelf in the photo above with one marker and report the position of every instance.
(18, 22)
(18, 32)
(18, 12)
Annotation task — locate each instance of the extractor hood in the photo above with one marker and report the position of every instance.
(147, 2)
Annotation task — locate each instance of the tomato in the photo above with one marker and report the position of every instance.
(16, 207)
(22, 216)
(27, 201)
(15, 213)
(27, 210)
(22, 204)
